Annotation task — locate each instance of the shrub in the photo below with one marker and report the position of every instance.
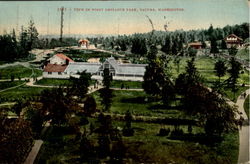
(164, 132)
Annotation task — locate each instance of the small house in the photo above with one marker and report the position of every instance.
(233, 41)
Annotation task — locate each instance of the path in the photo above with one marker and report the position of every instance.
(33, 153)
(243, 157)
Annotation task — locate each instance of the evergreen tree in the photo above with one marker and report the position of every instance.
(167, 48)
(234, 72)
(220, 68)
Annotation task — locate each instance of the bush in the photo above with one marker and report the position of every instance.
(128, 132)
(177, 132)
(164, 132)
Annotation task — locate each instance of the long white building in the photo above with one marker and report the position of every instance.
(119, 71)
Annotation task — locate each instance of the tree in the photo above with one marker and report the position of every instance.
(234, 72)
(223, 44)
(107, 78)
(232, 51)
(154, 76)
(81, 84)
(106, 98)
(220, 68)
(211, 109)
(192, 52)
(214, 49)
(32, 35)
(15, 140)
(189, 78)
(167, 46)
(89, 105)
(57, 106)
(127, 130)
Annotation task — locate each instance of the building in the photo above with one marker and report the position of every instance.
(55, 71)
(233, 41)
(119, 71)
(60, 59)
(84, 43)
(196, 45)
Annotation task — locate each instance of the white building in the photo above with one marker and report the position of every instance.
(60, 59)
(132, 72)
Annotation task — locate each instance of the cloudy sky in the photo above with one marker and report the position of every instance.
(97, 17)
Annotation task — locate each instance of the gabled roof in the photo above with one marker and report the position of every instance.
(233, 35)
(111, 60)
(64, 57)
(54, 68)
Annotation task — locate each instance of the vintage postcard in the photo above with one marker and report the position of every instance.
(155, 82)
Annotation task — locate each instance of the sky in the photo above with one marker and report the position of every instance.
(92, 17)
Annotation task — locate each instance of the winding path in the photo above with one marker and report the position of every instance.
(244, 154)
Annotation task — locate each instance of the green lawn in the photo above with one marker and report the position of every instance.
(136, 102)
(229, 94)
(130, 84)
(205, 65)
(17, 71)
(247, 106)
(53, 82)
(19, 93)
(243, 54)
(8, 84)
(145, 146)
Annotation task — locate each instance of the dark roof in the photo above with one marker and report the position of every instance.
(54, 68)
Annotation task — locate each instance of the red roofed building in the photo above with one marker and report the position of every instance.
(55, 71)
(60, 59)
(233, 41)
(196, 45)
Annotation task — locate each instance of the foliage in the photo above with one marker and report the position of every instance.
(107, 78)
(57, 105)
(220, 68)
(212, 110)
(89, 105)
(106, 98)
(15, 140)
(234, 72)
(80, 85)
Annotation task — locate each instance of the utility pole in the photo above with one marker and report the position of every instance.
(61, 34)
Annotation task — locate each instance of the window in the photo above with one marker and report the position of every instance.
(49, 73)
(59, 73)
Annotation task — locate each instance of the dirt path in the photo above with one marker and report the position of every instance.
(244, 154)
(33, 153)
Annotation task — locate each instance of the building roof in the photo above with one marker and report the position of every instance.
(131, 69)
(195, 44)
(82, 66)
(54, 68)
(233, 36)
(64, 57)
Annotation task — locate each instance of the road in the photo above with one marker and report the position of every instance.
(244, 154)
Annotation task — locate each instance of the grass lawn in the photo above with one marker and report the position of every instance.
(229, 94)
(20, 92)
(136, 102)
(8, 84)
(247, 106)
(52, 82)
(145, 146)
(205, 65)
(57, 82)
(17, 71)
(130, 84)
(243, 54)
